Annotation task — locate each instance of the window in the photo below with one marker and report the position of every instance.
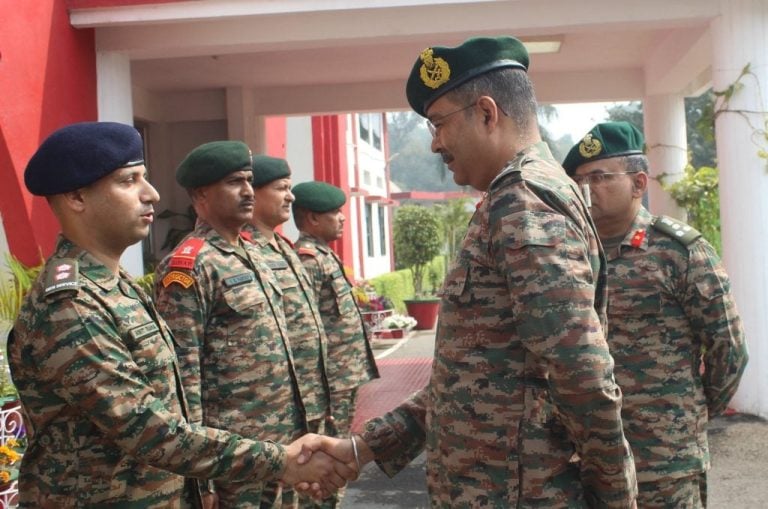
(371, 128)
(369, 228)
(382, 232)
(364, 127)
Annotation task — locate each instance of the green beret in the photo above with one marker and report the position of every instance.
(440, 69)
(318, 196)
(267, 169)
(211, 162)
(609, 139)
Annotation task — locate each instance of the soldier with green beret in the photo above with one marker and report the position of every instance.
(522, 409)
(670, 311)
(225, 308)
(272, 207)
(107, 420)
(318, 216)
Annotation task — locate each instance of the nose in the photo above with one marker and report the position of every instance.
(435, 146)
(290, 197)
(151, 195)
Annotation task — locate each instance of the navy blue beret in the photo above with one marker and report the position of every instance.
(80, 154)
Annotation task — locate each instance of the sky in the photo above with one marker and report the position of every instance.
(576, 119)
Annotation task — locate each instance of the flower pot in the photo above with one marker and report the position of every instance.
(424, 311)
(391, 333)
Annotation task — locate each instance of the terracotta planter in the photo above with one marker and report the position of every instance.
(391, 333)
(424, 311)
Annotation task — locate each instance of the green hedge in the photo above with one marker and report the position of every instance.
(398, 286)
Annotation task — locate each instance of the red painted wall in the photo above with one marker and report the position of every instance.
(330, 160)
(47, 80)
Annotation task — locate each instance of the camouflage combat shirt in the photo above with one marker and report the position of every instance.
(522, 409)
(224, 307)
(350, 357)
(670, 311)
(102, 401)
(305, 327)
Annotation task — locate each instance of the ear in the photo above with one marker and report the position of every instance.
(312, 218)
(74, 200)
(489, 110)
(639, 184)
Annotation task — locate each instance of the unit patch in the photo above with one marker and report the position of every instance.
(175, 276)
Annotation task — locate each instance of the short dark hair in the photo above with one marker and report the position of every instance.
(510, 88)
(299, 216)
(636, 163)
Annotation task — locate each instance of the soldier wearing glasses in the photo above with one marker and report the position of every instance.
(670, 314)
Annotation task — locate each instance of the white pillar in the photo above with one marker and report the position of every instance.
(739, 37)
(115, 103)
(667, 149)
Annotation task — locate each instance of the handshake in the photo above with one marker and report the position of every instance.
(319, 465)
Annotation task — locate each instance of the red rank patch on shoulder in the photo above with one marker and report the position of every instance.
(186, 254)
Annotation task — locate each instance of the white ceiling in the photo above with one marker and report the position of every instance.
(302, 56)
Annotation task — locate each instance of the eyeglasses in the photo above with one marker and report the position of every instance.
(433, 128)
(596, 179)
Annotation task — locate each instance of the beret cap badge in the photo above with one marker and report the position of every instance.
(434, 71)
(590, 146)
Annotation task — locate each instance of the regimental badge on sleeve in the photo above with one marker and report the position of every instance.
(179, 277)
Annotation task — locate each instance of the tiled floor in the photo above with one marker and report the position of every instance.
(399, 378)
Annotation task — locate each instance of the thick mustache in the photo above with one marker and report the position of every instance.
(246, 203)
(446, 157)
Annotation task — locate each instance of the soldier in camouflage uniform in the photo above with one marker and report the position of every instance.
(522, 409)
(318, 216)
(273, 198)
(670, 313)
(224, 307)
(100, 388)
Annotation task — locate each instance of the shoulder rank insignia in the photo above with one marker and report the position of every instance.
(637, 238)
(61, 275)
(307, 251)
(676, 229)
(181, 278)
(185, 255)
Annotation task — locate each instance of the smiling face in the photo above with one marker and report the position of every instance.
(452, 137)
(273, 202)
(118, 209)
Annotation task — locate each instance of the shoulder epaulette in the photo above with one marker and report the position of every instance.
(678, 230)
(185, 255)
(307, 251)
(61, 275)
(286, 239)
(509, 175)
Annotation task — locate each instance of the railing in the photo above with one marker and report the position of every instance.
(10, 427)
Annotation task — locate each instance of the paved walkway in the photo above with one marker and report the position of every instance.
(738, 443)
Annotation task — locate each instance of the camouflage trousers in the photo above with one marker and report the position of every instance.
(342, 412)
(683, 493)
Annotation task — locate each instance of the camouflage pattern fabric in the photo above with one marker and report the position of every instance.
(309, 343)
(522, 409)
(674, 493)
(102, 400)
(235, 358)
(350, 357)
(670, 312)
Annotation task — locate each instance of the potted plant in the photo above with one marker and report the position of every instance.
(396, 326)
(417, 240)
